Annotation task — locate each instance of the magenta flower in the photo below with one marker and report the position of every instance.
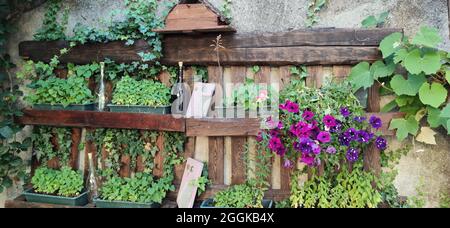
(290, 106)
(316, 149)
(307, 159)
(324, 137)
(307, 115)
(275, 143)
(329, 121)
(375, 122)
(259, 137)
(280, 125)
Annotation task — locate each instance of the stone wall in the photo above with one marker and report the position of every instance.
(430, 163)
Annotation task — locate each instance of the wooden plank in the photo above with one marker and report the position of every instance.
(275, 56)
(285, 173)
(217, 28)
(340, 72)
(202, 149)
(222, 127)
(82, 54)
(238, 176)
(158, 170)
(323, 46)
(182, 11)
(314, 76)
(102, 120)
(227, 161)
(216, 160)
(373, 103)
(125, 166)
(191, 23)
(89, 148)
(189, 149)
(74, 152)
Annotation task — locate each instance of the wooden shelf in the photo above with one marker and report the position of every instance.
(92, 119)
(222, 127)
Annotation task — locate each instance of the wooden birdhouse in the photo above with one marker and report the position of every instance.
(195, 16)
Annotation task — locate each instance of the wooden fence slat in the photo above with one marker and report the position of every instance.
(158, 170)
(189, 150)
(125, 166)
(285, 174)
(74, 152)
(216, 160)
(372, 157)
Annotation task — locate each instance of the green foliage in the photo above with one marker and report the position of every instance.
(314, 7)
(418, 200)
(346, 190)
(129, 91)
(200, 74)
(251, 95)
(375, 22)
(51, 28)
(65, 182)
(45, 150)
(72, 90)
(239, 196)
(137, 70)
(423, 91)
(226, 9)
(444, 200)
(202, 182)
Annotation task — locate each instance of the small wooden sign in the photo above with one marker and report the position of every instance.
(200, 100)
(188, 189)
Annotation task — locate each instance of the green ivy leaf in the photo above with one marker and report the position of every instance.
(409, 87)
(434, 117)
(434, 95)
(404, 127)
(6, 132)
(391, 44)
(360, 76)
(428, 37)
(429, 63)
(445, 113)
(381, 70)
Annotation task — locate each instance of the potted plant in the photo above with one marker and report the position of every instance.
(144, 96)
(63, 187)
(249, 97)
(61, 94)
(238, 196)
(140, 191)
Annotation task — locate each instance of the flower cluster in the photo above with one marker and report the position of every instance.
(310, 138)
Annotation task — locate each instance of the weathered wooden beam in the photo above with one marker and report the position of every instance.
(322, 46)
(222, 127)
(102, 120)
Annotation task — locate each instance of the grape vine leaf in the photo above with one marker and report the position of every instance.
(428, 37)
(434, 117)
(391, 44)
(404, 127)
(429, 63)
(400, 55)
(409, 87)
(369, 22)
(445, 113)
(426, 136)
(381, 70)
(434, 95)
(360, 76)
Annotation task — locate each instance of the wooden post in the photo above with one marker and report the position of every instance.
(372, 157)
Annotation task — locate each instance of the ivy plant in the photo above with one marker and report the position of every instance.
(52, 27)
(417, 73)
(129, 91)
(314, 7)
(44, 148)
(65, 182)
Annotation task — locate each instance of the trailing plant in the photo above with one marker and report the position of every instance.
(65, 182)
(129, 91)
(200, 74)
(137, 70)
(226, 10)
(202, 182)
(53, 28)
(44, 148)
(314, 7)
(345, 190)
(72, 90)
(418, 74)
(239, 196)
(375, 22)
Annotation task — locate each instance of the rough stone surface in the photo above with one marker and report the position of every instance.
(430, 163)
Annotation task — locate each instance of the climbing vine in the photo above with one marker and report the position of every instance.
(314, 7)
(46, 150)
(417, 73)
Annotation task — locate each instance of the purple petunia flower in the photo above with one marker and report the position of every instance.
(381, 143)
(324, 137)
(345, 112)
(331, 150)
(375, 122)
(352, 154)
(360, 119)
(352, 133)
(307, 115)
(337, 128)
(345, 140)
(304, 145)
(259, 138)
(329, 121)
(364, 136)
(315, 149)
